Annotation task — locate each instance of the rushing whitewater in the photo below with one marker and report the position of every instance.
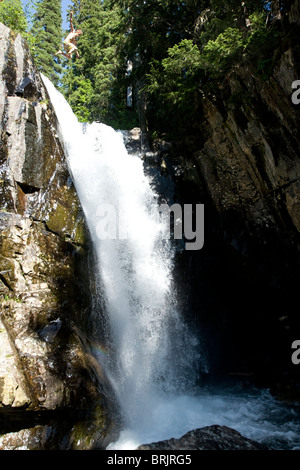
(150, 355)
(135, 264)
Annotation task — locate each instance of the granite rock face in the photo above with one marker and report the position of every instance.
(44, 250)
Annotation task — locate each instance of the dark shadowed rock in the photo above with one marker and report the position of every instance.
(208, 438)
(241, 160)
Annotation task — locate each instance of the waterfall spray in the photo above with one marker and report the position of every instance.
(151, 356)
(154, 352)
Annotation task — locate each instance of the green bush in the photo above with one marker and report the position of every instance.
(12, 15)
(220, 54)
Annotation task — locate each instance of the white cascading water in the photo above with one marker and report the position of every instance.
(153, 355)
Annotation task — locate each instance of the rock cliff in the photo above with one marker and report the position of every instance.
(241, 160)
(44, 254)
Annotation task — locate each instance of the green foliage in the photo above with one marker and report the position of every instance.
(172, 80)
(221, 37)
(124, 119)
(7, 298)
(179, 49)
(47, 31)
(260, 47)
(219, 54)
(101, 64)
(80, 99)
(183, 59)
(12, 15)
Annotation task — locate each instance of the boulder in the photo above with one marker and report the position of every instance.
(213, 437)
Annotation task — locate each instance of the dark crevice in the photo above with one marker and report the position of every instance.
(27, 188)
(9, 71)
(16, 419)
(2, 278)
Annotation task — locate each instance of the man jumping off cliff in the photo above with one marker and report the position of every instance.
(70, 41)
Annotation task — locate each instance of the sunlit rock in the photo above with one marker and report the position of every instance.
(44, 285)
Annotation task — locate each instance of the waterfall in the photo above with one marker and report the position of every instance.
(147, 334)
(150, 354)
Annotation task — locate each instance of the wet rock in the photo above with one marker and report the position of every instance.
(133, 140)
(208, 438)
(45, 296)
(26, 439)
(53, 430)
(12, 392)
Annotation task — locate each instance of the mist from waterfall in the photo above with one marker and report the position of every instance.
(150, 355)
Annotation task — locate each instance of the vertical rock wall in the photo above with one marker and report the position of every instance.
(247, 173)
(44, 287)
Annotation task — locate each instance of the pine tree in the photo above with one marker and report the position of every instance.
(150, 30)
(47, 30)
(95, 84)
(210, 38)
(173, 45)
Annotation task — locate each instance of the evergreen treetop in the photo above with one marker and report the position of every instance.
(178, 50)
(47, 30)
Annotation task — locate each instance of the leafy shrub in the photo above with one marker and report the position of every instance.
(220, 54)
(12, 15)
